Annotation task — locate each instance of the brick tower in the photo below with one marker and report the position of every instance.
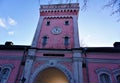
(57, 27)
(53, 54)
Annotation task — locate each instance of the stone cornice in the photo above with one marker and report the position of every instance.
(59, 7)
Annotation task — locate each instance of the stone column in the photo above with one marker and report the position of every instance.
(80, 71)
(28, 65)
(77, 66)
(76, 34)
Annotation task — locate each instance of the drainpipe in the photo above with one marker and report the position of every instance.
(85, 60)
(18, 78)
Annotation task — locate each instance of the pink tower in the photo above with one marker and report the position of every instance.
(53, 57)
(57, 27)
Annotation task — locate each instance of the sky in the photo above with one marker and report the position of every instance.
(19, 19)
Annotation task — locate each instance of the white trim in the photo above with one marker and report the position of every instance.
(52, 63)
(76, 33)
(8, 66)
(103, 70)
(77, 65)
(116, 72)
(55, 7)
(100, 60)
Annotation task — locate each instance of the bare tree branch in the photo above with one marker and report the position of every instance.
(115, 5)
(84, 5)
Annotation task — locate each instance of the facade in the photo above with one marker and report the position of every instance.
(55, 55)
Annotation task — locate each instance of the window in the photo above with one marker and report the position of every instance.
(116, 73)
(104, 78)
(66, 41)
(44, 42)
(104, 75)
(4, 73)
(48, 23)
(66, 22)
(118, 79)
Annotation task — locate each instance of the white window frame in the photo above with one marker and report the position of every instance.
(116, 72)
(103, 71)
(8, 66)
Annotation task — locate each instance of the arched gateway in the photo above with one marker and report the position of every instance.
(55, 73)
(51, 75)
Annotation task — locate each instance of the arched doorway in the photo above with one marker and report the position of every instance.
(51, 75)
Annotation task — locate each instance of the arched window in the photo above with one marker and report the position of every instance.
(0, 74)
(104, 75)
(104, 78)
(118, 79)
(116, 73)
(5, 72)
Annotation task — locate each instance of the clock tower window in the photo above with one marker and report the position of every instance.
(48, 23)
(66, 40)
(44, 42)
(66, 22)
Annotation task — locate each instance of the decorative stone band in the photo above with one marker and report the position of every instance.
(59, 7)
(58, 17)
(55, 64)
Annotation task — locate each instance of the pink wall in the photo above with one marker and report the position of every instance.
(67, 55)
(53, 40)
(85, 75)
(11, 52)
(104, 55)
(94, 66)
(11, 61)
(14, 71)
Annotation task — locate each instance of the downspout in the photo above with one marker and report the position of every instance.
(18, 78)
(85, 60)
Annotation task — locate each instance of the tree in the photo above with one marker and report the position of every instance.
(113, 4)
(83, 43)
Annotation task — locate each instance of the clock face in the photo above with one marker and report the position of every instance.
(56, 30)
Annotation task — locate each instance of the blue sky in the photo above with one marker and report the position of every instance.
(19, 18)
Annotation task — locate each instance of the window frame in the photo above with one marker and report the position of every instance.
(103, 71)
(6, 66)
(116, 73)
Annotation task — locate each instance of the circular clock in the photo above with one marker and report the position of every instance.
(56, 30)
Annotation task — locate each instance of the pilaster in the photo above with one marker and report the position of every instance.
(76, 34)
(28, 65)
(39, 26)
(77, 65)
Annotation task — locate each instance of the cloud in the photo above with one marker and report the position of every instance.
(6, 22)
(2, 23)
(11, 21)
(11, 32)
